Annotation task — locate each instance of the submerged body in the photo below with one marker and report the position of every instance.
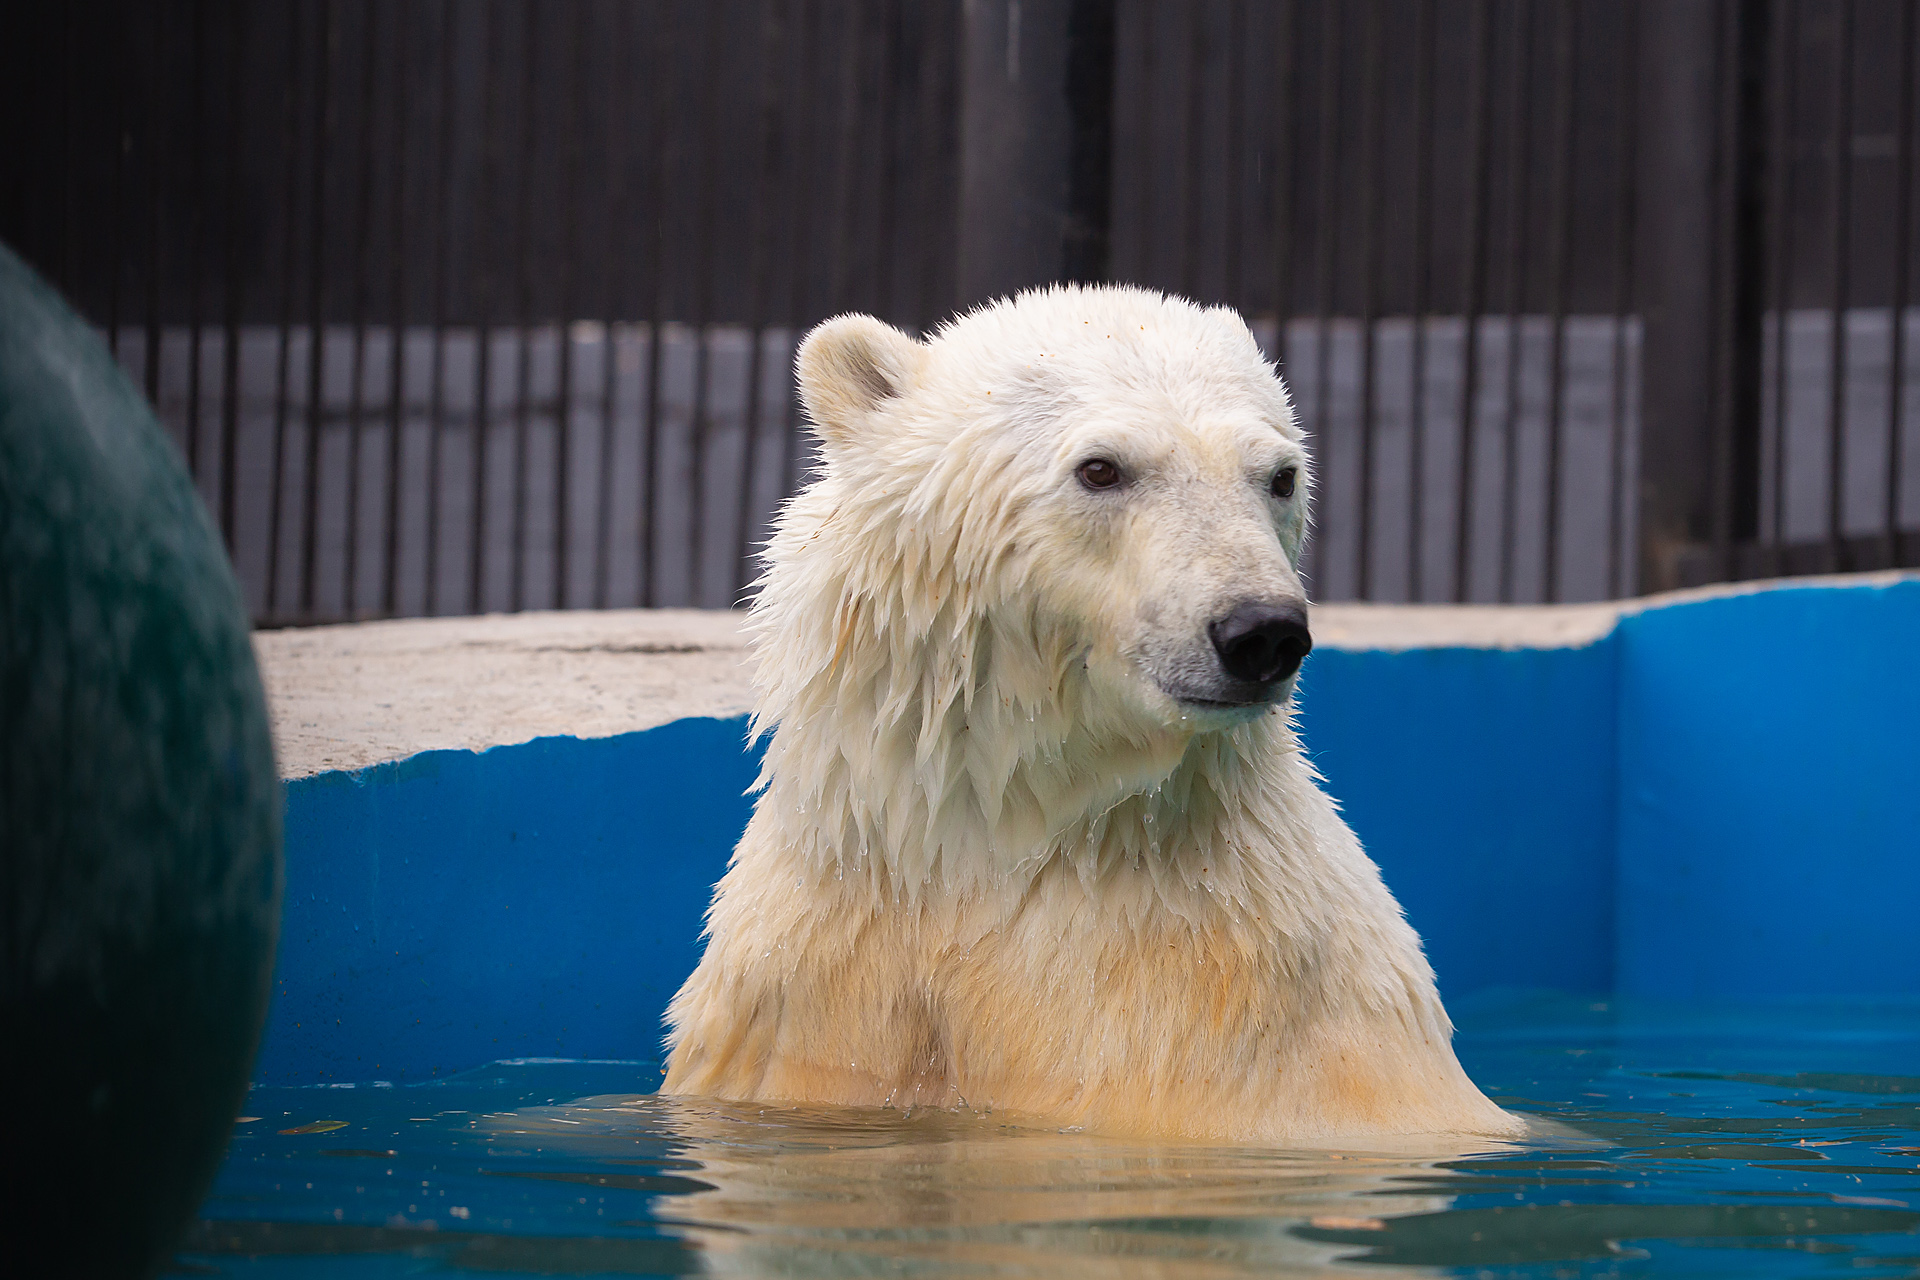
(1037, 835)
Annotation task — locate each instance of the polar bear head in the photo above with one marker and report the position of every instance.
(1062, 534)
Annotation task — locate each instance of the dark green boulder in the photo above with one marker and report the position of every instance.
(140, 863)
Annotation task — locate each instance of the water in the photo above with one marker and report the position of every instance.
(1778, 1142)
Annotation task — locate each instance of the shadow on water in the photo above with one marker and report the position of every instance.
(1797, 1155)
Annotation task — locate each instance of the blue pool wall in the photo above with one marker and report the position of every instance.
(539, 900)
(1720, 799)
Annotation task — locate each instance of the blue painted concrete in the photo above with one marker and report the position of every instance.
(1482, 782)
(541, 900)
(1721, 799)
(1770, 795)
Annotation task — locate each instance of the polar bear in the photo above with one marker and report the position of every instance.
(1035, 831)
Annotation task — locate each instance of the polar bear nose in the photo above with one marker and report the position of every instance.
(1261, 641)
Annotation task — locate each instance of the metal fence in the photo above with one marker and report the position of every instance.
(458, 305)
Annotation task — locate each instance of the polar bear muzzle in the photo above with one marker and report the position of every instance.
(1243, 660)
(1261, 642)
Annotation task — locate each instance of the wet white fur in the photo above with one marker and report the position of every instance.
(994, 861)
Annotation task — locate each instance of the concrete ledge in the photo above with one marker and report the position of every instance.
(349, 697)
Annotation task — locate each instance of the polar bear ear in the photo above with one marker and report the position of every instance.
(850, 366)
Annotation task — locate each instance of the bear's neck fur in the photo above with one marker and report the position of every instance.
(969, 759)
(1158, 932)
(940, 747)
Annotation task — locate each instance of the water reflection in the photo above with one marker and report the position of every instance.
(795, 1190)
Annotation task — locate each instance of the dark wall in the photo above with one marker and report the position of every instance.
(1240, 125)
(239, 184)
(483, 160)
(784, 159)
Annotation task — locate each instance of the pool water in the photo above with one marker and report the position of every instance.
(1709, 1142)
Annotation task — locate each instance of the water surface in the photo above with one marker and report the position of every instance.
(1715, 1142)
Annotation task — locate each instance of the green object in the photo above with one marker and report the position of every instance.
(140, 869)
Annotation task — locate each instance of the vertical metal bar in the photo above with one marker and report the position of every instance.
(117, 183)
(866, 135)
(936, 124)
(887, 157)
(800, 253)
(523, 304)
(26, 106)
(396, 314)
(1233, 289)
(436, 374)
(1519, 147)
(156, 112)
(1738, 272)
(1786, 94)
(707, 212)
(316, 301)
(1902, 264)
(766, 155)
(1838, 559)
(1371, 163)
(1194, 171)
(1474, 281)
(619, 252)
(1422, 213)
(845, 150)
(289, 266)
(1019, 132)
(362, 286)
(570, 129)
(1147, 94)
(1626, 162)
(1327, 244)
(658, 145)
(230, 352)
(1087, 255)
(1286, 153)
(880, 44)
(482, 302)
(1680, 241)
(70, 138)
(196, 181)
(1559, 259)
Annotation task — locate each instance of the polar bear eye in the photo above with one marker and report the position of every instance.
(1098, 473)
(1284, 480)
